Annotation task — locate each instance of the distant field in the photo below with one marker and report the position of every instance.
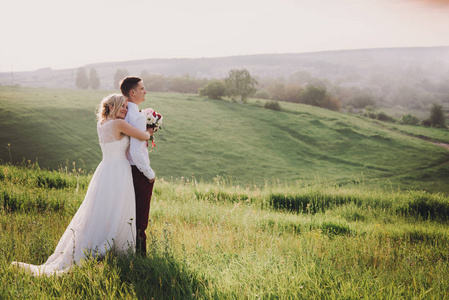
(205, 138)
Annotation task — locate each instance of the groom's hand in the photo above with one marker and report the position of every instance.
(152, 180)
(151, 130)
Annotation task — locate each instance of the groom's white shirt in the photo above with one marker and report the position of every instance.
(137, 152)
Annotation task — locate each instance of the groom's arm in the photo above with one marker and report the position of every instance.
(138, 150)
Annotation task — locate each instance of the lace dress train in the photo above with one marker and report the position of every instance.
(106, 218)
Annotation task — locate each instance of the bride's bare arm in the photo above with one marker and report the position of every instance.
(127, 129)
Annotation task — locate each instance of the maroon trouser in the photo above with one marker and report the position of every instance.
(143, 190)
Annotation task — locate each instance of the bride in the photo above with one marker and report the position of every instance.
(105, 218)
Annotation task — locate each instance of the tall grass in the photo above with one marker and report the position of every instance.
(224, 241)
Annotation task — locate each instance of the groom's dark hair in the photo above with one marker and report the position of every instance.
(128, 83)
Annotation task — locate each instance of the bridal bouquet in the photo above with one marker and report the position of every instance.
(154, 120)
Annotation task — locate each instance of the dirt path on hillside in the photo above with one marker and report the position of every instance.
(442, 145)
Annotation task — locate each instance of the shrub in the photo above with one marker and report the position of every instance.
(369, 108)
(370, 114)
(262, 94)
(215, 89)
(381, 116)
(410, 119)
(331, 103)
(273, 105)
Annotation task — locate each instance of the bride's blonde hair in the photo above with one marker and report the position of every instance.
(115, 101)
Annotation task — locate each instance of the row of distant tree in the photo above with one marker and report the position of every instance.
(161, 83)
(437, 117)
(300, 87)
(84, 82)
(239, 85)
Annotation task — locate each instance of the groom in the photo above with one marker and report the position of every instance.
(137, 154)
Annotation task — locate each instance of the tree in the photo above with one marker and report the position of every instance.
(216, 89)
(94, 80)
(277, 91)
(292, 93)
(82, 82)
(146, 78)
(317, 96)
(119, 75)
(437, 118)
(156, 83)
(314, 95)
(240, 85)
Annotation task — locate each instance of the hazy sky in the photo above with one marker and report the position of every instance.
(67, 34)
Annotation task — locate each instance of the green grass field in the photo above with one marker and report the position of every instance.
(249, 203)
(218, 241)
(205, 138)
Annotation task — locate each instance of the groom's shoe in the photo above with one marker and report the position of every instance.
(141, 246)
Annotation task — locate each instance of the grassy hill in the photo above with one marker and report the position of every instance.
(205, 138)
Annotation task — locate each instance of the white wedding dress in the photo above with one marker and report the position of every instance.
(106, 218)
